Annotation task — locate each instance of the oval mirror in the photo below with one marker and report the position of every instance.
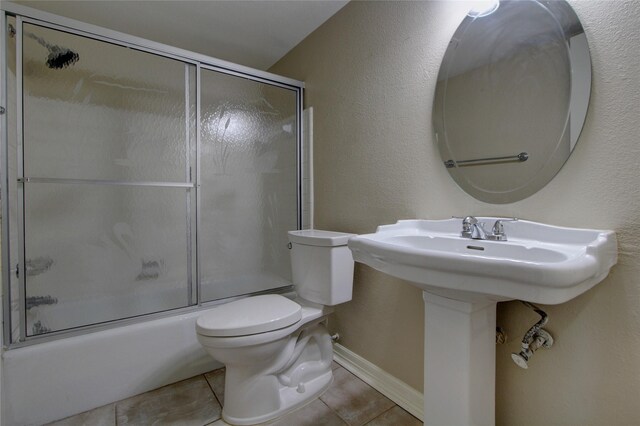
(511, 97)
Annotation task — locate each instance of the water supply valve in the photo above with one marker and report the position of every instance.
(535, 338)
(542, 339)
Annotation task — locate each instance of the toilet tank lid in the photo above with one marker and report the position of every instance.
(316, 237)
(252, 315)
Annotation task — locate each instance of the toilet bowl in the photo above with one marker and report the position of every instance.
(276, 350)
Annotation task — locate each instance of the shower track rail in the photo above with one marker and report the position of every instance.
(104, 182)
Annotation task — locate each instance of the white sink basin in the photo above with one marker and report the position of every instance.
(539, 263)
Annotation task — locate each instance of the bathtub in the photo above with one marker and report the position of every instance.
(56, 379)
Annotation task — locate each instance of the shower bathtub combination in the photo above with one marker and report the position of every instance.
(141, 184)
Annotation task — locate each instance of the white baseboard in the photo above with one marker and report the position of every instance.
(397, 391)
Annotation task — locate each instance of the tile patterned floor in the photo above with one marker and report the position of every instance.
(198, 402)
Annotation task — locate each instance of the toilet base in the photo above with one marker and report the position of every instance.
(291, 399)
(270, 379)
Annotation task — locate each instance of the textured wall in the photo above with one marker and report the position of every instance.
(370, 73)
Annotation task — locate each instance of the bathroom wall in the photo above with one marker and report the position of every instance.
(370, 74)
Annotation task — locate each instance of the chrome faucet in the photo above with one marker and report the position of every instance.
(473, 229)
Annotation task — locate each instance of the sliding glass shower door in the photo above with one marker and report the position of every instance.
(108, 143)
(141, 180)
(248, 191)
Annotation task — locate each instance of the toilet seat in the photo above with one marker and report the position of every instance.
(252, 315)
(310, 314)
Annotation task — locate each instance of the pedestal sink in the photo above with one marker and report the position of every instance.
(463, 279)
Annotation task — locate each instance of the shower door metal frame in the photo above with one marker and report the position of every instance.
(21, 267)
(48, 20)
(4, 182)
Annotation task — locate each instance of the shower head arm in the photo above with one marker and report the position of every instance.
(59, 57)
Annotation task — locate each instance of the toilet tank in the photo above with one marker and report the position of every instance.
(322, 266)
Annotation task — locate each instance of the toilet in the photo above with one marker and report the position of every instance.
(277, 350)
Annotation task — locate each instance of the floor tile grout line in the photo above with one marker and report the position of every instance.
(338, 414)
(115, 415)
(213, 390)
(204, 376)
(381, 414)
(368, 385)
(333, 411)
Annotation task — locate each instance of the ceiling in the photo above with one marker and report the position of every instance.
(253, 33)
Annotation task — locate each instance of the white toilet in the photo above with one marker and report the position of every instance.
(276, 350)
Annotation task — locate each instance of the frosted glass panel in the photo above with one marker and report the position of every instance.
(248, 185)
(97, 253)
(114, 114)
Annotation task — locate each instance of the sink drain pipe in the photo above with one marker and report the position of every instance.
(535, 338)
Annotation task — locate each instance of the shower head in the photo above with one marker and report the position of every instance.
(59, 57)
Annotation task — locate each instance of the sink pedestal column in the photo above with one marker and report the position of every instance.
(459, 361)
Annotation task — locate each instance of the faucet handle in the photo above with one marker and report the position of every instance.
(467, 223)
(497, 232)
